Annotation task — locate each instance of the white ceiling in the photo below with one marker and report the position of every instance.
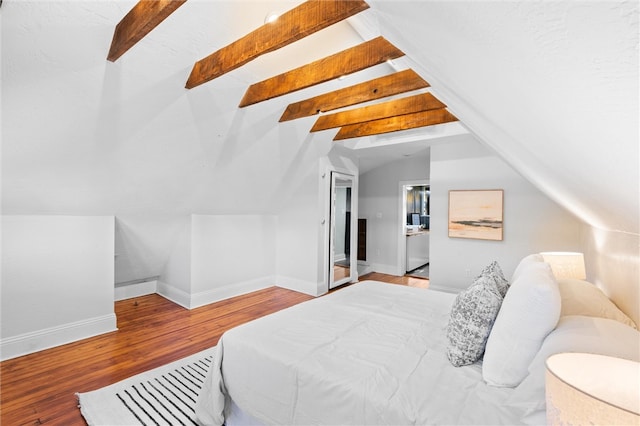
(552, 87)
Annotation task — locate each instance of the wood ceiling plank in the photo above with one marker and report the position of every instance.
(402, 106)
(299, 22)
(141, 19)
(365, 55)
(394, 124)
(389, 85)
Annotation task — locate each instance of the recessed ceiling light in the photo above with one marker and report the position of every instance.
(271, 17)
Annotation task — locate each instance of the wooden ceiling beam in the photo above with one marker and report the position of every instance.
(141, 19)
(301, 21)
(402, 106)
(365, 55)
(389, 85)
(394, 124)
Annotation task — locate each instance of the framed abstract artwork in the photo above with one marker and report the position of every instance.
(476, 214)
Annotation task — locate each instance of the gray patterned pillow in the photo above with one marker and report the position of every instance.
(472, 316)
(494, 272)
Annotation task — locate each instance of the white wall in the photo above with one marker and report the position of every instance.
(57, 281)
(297, 233)
(220, 256)
(143, 243)
(378, 203)
(175, 279)
(532, 222)
(613, 263)
(231, 255)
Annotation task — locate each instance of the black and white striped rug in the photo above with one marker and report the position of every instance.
(162, 396)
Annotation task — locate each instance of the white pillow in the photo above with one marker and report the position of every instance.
(527, 260)
(529, 312)
(583, 298)
(574, 333)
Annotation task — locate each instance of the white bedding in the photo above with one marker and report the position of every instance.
(371, 353)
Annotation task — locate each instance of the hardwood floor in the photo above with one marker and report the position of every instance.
(40, 388)
(392, 279)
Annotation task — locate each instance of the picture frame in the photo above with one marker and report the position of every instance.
(476, 214)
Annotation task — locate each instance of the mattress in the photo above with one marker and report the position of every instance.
(371, 353)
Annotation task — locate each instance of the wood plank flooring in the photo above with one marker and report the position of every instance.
(152, 331)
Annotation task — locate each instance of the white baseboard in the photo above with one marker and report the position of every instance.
(35, 341)
(192, 301)
(228, 291)
(136, 290)
(385, 269)
(176, 295)
(364, 268)
(301, 286)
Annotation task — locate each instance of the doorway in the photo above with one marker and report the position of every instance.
(414, 228)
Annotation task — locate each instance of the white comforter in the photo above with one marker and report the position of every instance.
(372, 353)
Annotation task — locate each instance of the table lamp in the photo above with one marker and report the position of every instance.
(566, 264)
(589, 389)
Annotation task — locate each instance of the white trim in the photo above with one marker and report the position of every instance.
(173, 294)
(306, 287)
(35, 341)
(386, 269)
(135, 290)
(229, 291)
(363, 268)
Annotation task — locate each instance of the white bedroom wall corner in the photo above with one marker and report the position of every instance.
(307, 287)
(175, 281)
(385, 268)
(612, 261)
(135, 290)
(218, 257)
(174, 294)
(231, 255)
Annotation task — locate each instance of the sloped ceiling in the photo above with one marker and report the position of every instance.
(551, 86)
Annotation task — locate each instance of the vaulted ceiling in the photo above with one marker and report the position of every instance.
(551, 87)
(280, 30)
(546, 37)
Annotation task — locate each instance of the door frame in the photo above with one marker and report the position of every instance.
(402, 217)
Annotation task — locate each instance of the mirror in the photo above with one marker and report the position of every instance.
(342, 259)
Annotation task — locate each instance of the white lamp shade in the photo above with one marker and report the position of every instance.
(565, 264)
(589, 389)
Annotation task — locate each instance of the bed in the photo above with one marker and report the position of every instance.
(376, 353)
